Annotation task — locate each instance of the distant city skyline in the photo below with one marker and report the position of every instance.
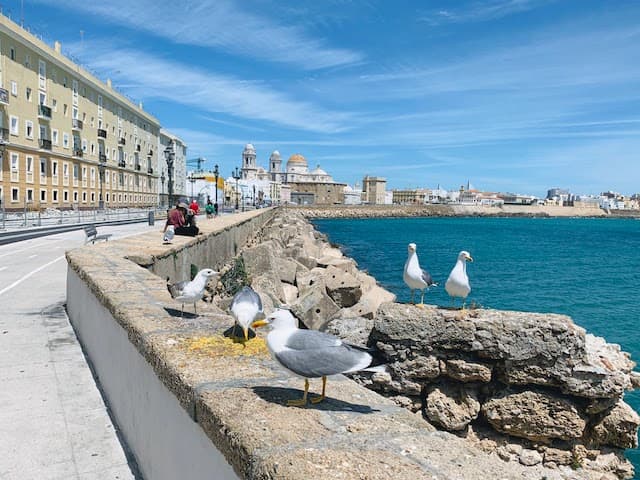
(514, 95)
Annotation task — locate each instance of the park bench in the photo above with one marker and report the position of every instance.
(92, 234)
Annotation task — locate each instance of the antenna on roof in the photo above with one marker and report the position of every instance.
(22, 13)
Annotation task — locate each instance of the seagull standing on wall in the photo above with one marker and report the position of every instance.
(458, 282)
(311, 354)
(246, 308)
(191, 292)
(414, 276)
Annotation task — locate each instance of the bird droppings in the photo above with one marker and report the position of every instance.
(220, 346)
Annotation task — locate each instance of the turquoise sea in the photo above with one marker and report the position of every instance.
(588, 269)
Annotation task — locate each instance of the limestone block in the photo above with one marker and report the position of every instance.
(530, 457)
(314, 307)
(342, 287)
(558, 456)
(370, 301)
(464, 371)
(306, 279)
(287, 268)
(618, 427)
(260, 259)
(535, 416)
(268, 285)
(452, 408)
(290, 293)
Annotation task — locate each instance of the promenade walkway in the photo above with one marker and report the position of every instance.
(53, 421)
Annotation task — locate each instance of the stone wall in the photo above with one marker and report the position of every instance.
(532, 388)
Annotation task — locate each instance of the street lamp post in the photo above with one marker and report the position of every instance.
(236, 175)
(162, 179)
(101, 168)
(193, 181)
(216, 173)
(169, 155)
(254, 196)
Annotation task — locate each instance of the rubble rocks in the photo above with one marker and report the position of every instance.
(619, 427)
(452, 408)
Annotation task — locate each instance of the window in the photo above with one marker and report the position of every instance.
(93, 197)
(54, 196)
(12, 53)
(84, 176)
(15, 167)
(76, 172)
(54, 168)
(107, 197)
(84, 197)
(65, 173)
(65, 140)
(75, 197)
(28, 128)
(42, 98)
(65, 109)
(93, 177)
(13, 125)
(54, 137)
(28, 94)
(15, 197)
(93, 148)
(43, 195)
(54, 104)
(14, 88)
(30, 195)
(27, 60)
(65, 196)
(29, 175)
(84, 145)
(42, 74)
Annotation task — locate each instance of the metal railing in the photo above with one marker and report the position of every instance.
(31, 217)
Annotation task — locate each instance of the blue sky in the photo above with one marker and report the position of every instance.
(513, 95)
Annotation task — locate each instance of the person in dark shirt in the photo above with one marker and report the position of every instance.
(182, 224)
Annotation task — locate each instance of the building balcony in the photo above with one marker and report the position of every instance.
(122, 141)
(138, 166)
(45, 144)
(102, 158)
(102, 133)
(150, 170)
(138, 148)
(4, 134)
(150, 154)
(44, 112)
(76, 124)
(122, 164)
(4, 96)
(78, 152)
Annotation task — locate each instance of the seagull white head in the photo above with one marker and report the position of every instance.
(207, 272)
(465, 256)
(280, 318)
(412, 248)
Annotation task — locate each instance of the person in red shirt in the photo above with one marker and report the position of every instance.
(177, 217)
(194, 206)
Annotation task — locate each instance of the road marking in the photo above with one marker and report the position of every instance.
(3, 268)
(34, 255)
(30, 274)
(13, 252)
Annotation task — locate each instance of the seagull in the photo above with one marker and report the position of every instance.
(246, 308)
(414, 276)
(458, 282)
(191, 292)
(169, 234)
(311, 354)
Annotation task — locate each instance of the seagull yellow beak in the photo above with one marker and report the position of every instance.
(469, 258)
(260, 323)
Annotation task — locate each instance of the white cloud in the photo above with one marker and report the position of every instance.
(478, 11)
(151, 77)
(219, 24)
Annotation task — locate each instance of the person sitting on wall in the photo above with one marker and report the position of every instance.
(194, 206)
(178, 218)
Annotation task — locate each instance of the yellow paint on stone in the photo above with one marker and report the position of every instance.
(219, 346)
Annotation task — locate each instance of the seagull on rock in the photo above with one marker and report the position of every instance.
(311, 354)
(458, 282)
(246, 308)
(191, 292)
(414, 276)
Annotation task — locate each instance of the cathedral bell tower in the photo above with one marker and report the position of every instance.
(249, 168)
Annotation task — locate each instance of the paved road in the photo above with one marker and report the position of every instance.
(53, 421)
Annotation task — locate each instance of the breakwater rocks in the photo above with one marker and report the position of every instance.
(451, 210)
(534, 389)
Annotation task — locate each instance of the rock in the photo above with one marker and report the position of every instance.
(599, 405)
(352, 330)
(535, 416)
(617, 428)
(267, 285)
(558, 456)
(342, 287)
(260, 259)
(370, 302)
(287, 269)
(452, 408)
(529, 457)
(635, 380)
(468, 371)
(314, 307)
(306, 279)
(290, 293)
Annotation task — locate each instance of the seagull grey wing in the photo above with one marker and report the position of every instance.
(247, 295)
(322, 361)
(426, 277)
(311, 340)
(175, 289)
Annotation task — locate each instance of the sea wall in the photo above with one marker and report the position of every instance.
(192, 404)
(450, 210)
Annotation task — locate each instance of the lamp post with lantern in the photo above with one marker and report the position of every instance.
(216, 173)
(236, 175)
(169, 155)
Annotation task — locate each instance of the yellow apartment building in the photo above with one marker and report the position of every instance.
(67, 139)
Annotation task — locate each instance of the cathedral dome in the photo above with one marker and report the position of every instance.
(249, 148)
(275, 155)
(319, 171)
(297, 160)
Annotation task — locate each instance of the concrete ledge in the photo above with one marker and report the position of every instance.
(193, 407)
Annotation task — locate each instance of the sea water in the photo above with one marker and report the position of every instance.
(588, 269)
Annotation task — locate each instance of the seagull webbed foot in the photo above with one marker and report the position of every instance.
(303, 401)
